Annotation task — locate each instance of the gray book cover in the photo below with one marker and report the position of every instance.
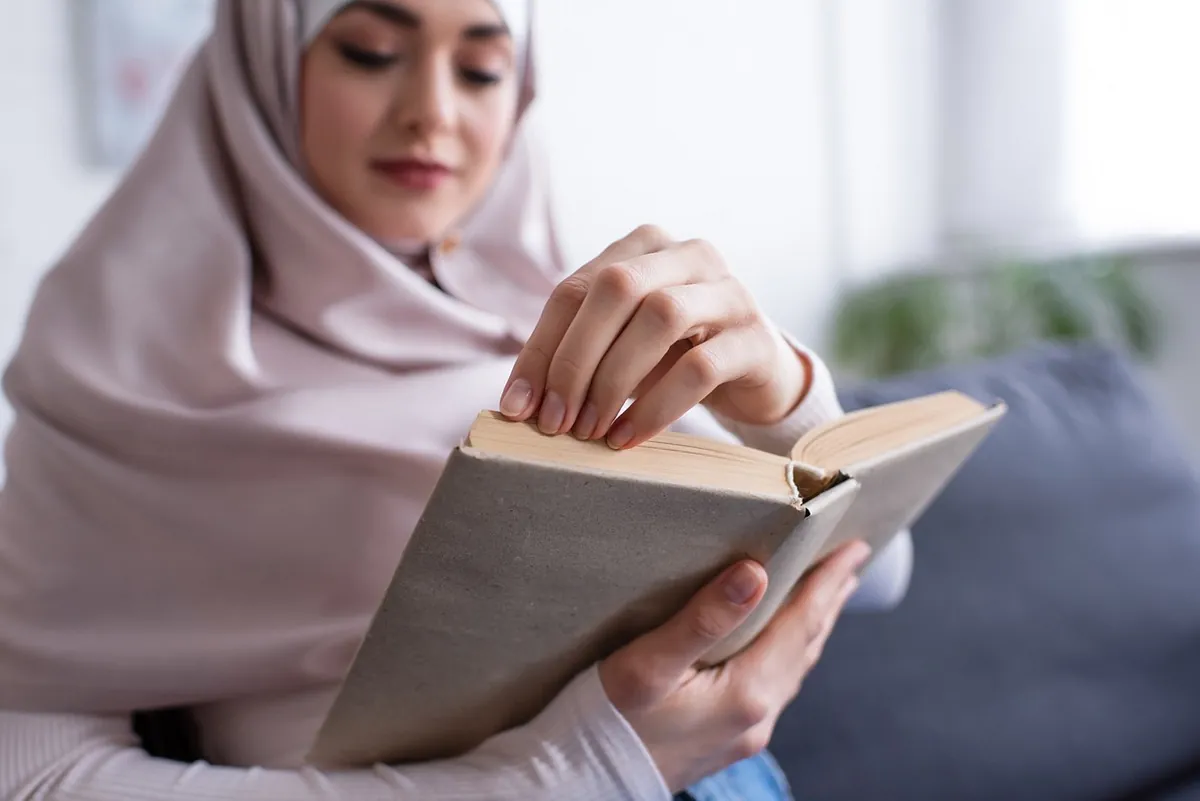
(520, 575)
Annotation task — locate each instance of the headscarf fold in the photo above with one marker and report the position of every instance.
(232, 405)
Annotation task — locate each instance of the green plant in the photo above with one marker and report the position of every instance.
(922, 319)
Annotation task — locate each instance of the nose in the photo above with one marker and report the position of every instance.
(430, 104)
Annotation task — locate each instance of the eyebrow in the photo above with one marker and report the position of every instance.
(487, 31)
(396, 15)
(404, 18)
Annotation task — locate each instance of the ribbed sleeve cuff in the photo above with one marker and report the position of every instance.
(614, 759)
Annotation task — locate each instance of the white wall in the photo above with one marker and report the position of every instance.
(45, 193)
(1132, 123)
(705, 118)
(801, 137)
(884, 60)
(713, 118)
(1003, 96)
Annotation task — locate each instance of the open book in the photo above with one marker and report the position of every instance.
(537, 556)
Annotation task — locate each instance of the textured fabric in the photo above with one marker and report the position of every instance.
(221, 372)
(1049, 648)
(315, 14)
(579, 748)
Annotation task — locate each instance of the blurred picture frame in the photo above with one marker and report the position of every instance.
(130, 53)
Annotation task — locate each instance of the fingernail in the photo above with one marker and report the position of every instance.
(553, 412)
(740, 584)
(586, 423)
(620, 435)
(516, 398)
(850, 586)
(862, 552)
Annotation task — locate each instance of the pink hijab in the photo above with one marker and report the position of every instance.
(232, 405)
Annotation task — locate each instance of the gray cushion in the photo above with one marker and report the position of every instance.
(1049, 647)
(1190, 792)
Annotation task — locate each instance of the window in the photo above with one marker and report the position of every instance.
(1132, 126)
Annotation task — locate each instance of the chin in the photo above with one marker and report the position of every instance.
(405, 223)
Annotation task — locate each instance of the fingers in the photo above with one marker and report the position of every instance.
(666, 316)
(727, 357)
(694, 722)
(525, 388)
(650, 667)
(616, 295)
(794, 639)
(587, 314)
(522, 396)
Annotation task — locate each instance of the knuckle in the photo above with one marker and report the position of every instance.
(620, 280)
(666, 311)
(812, 654)
(571, 291)
(706, 625)
(703, 366)
(751, 706)
(707, 252)
(747, 303)
(813, 626)
(536, 355)
(603, 388)
(565, 369)
(631, 683)
(651, 236)
(640, 682)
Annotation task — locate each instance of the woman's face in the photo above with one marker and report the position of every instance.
(407, 107)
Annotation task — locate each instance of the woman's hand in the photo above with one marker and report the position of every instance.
(664, 322)
(695, 723)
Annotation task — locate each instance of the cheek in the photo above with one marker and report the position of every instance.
(339, 118)
(487, 131)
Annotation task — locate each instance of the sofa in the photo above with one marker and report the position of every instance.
(1049, 645)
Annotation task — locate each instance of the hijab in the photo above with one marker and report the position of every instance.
(232, 405)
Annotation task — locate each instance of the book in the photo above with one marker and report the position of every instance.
(537, 556)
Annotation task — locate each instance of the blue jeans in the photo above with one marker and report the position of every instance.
(758, 778)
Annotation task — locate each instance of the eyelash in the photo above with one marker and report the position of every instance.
(368, 60)
(481, 78)
(377, 62)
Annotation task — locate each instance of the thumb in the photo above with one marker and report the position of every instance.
(651, 666)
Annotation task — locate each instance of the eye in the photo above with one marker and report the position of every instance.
(481, 77)
(367, 59)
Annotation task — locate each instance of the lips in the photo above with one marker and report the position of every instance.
(415, 174)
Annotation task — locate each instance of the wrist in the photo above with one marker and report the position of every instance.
(806, 375)
(789, 375)
(795, 373)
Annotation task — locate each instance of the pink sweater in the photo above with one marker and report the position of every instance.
(580, 747)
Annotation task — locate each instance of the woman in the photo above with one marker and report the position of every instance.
(236, 391)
